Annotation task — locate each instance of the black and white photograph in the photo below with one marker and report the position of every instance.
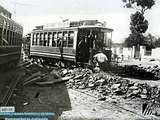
(79, 60)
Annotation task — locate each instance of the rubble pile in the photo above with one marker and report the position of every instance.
(109, 85)
(106, 84)
(142, 72)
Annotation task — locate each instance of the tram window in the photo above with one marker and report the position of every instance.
(38, 38)
(11, 27)
(13, 40)
(45, 39)
(16, 38)
(7, 33)
(4, 24)
(8, 25)
(1, 23)
(33, 40)
(4, 38)
(49, 39)
(59, 40)
(10, 36)
(70, 39)
(19, 39)
(41, 39)
(65, 38)
(0, 35)
(14, 28)
(54, 40)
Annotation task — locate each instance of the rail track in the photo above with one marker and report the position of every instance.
(9, 90)
(25, 63)
(13, 82)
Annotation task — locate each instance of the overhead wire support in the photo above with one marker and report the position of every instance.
(16, 3)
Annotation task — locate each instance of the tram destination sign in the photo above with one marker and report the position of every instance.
(56, 25)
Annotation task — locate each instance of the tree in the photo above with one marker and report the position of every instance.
(139, 5)
(134, 40)
(150, 41)
(138, 24)
(157, 43)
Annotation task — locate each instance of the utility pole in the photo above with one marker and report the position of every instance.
(16, 3)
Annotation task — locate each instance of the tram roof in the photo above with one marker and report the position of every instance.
(72, 25)
(5, 12)
(93, 26)
(74, 28)
(10, 21)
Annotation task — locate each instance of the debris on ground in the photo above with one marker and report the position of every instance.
(104, 83)
(26, 103)
(110, 85)
(151, 72)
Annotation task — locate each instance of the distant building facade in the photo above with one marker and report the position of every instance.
(125, 53)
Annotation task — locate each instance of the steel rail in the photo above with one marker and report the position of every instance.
(23, 64)
(10, 90)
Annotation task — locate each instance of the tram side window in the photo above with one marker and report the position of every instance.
(11, 34)
(54, 40)
(8, 33)
(4, 38)
(5, 42)
(38, 38)
(70, 39)
(65, 38)
(49, 40)
(16, 40)
(1, 30)
(15, 35)
(0, 34)
(45, 39)
(13, 38)
(41, 39)
(10, 37)
(19, 39)
(34, 39)
(59, 40)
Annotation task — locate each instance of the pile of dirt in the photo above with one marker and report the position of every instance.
(151, 72)
(106, 84)
(109, 85)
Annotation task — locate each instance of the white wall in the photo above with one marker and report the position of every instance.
(128, 53)
(156, 53)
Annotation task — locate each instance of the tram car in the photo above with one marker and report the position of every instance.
(10, 40)
(75, 41)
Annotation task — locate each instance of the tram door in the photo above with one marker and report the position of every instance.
(84, 46)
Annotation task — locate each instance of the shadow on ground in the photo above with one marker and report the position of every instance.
(42, 99)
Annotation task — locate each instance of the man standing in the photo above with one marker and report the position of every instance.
(101, 58)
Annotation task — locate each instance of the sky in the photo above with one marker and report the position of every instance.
(30, 13)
